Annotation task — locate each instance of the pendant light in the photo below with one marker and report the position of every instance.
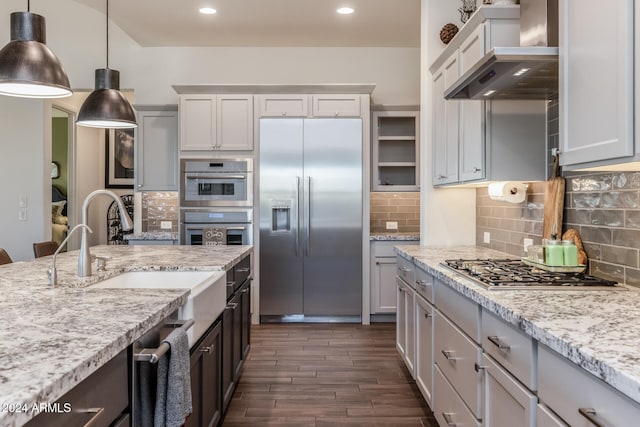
(28, 68)
(106, 106)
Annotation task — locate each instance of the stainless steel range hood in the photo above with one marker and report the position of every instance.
(510, 73)
(526, 72)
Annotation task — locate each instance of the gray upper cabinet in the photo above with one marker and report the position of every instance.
(156, 148)
(596, 81)
(475, 140)
(396, 142)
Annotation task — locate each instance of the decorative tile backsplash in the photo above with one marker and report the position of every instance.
(604, 207)
(401, 207)
(157, 207)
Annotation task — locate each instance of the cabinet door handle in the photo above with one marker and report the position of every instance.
(422, 283)
(477, 367)
(97, 412)
(244, 291)
(477, 169)
(400, 290)
(232, 305)
(208, 349)
(496, 341)
(428, 316)
(242, 270)
(591, 415)
(442, 177)
(448, 354)
(448, 418)
(404, 269)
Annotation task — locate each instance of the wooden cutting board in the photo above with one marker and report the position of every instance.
(553, 203)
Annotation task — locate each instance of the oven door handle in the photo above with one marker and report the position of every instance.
(220, 176)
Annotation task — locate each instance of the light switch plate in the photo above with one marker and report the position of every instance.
(23, 201)
(487, 237)
(165, 225)
(22, 214)
(391, 225)
(526, 243)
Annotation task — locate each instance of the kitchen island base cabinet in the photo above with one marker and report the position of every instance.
(100, 400)
(205, 380)
(580, 398)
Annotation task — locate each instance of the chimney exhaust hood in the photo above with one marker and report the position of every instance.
(526, 72)
(510, 73)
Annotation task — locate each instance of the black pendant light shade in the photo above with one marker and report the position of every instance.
(106, 106)
(28, 68)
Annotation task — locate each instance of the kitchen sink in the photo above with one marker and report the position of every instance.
(205, 303)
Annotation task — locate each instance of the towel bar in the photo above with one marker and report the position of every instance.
(152, 355)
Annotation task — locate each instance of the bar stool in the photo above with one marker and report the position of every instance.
(44, 248)
(4, 257)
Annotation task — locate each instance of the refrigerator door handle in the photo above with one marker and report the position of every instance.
(307, 228)
(297, 212)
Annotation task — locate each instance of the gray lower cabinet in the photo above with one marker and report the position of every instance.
(205, 380)
(100, 400)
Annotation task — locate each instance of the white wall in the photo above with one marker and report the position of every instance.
(448, 215)
(76, 34)
(22, 174)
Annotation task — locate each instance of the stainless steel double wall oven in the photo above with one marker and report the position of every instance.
(216, 193)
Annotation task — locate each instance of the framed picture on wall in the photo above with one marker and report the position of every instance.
(119, 161)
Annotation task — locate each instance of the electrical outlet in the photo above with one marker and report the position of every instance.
(487, 237)
(165, 225)
(23, 201)
(391, 225)
(526, 244)
(22, 214)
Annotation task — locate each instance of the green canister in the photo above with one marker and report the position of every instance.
(554, 253)
(570, 252)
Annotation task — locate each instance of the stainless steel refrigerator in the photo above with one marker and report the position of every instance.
(310, 219)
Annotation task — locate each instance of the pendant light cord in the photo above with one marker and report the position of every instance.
(28, 5)
(107, 14)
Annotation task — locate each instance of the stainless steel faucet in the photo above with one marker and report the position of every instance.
(53, 273)
(84, 259)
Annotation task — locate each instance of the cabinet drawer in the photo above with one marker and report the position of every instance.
(566, 388)
(336, 106)
(456, 356)
(100, 398)
(449, 409)
(384, 249)
(506, 401)
(406, 270)
(546, 418)
(424, 284)
(460, 309)
(283, 105)
(510, 347)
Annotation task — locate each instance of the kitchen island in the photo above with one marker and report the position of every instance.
(595, 330)
(54, 338)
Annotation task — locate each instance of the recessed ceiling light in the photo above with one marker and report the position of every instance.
(207, 10)
(345, 10)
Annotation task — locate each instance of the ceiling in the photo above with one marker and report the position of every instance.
(312, 23)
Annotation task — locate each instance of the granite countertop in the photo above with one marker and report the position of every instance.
(53, 339)
(394, 236)
(152, 235)
(594, 329)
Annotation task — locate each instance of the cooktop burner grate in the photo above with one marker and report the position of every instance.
(514, 274)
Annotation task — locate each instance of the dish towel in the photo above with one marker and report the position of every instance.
(173, 392)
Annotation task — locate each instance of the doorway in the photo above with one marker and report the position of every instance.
(62, 175)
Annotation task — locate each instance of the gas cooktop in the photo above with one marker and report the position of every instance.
(501, 274)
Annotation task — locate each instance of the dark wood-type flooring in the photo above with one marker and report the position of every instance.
(326, 375)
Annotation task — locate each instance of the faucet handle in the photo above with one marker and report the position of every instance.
(101, 262)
